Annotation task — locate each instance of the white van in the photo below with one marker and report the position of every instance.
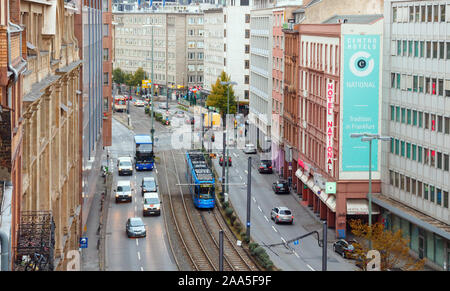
(152, 204)
(123, 191)
(125, 166)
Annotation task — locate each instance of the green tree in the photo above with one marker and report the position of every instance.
(138, 76)
(218, 96)
(118, 76)
(128, 79)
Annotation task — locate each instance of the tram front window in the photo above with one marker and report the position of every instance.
(206, 191)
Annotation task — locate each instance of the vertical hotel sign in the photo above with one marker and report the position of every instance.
(330, 128)
(360, 100)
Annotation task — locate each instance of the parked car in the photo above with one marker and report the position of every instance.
(125, 166)
(344, 248)
(281, 187)
(139, 103)
(180, 114)
(249, 149)
(265, 166)
(123, 191)
(148, 185)
(135, 227)
(282, 214)
(163, 106)
(152, 204)
(221, 161)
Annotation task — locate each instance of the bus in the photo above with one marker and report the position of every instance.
(200, 180)
(144, 156)
(120, 103)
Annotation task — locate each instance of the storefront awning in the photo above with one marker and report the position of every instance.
(360, 207)
(331, 202)
(317, 190)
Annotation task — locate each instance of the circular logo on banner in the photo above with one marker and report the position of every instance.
(361, 64)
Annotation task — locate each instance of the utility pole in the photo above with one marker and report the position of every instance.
(249, 194)
(324, 247)
(220, 250)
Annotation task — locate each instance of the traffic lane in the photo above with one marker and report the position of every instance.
(153, 252)
(309, 251)
(260, 224)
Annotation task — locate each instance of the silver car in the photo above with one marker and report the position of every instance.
(250, 149)
(135, 227)
(282, 214)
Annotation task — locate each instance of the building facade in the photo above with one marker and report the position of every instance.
(12, 68)
(325, 102)
(416, 106)
(260, 115)
(107, 72)
(51, 135)
(214, 47)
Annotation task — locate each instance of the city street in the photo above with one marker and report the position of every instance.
(123, 253)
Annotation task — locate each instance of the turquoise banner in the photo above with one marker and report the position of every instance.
(361, 85)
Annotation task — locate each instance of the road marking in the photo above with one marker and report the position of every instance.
(310, 267)
(265, 217)
(241, 177)
(156, 170)
(246, 171)
(142, 269)
(139, 256)
(274, 228)
(137, 242)
(235, 155)
(254, 200)
(259, 208)
(283, 240)
(296, 255)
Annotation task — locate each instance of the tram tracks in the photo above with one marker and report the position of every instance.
(198, 230)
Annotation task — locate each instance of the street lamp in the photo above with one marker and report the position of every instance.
(152, 86)
(225, 158)
(369, 138)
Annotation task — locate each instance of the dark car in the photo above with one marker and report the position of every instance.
(135, 227)
(265, 166)
(221, 161)
(148, 185)
(344, 248)
(281, 187)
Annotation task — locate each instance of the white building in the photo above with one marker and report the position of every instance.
(214, 47)
(416, 114)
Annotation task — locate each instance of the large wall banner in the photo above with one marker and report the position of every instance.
(361, 85)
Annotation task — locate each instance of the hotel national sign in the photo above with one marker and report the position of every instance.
(330, 128)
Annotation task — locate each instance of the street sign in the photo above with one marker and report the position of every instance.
(83, 242)
(330, 187)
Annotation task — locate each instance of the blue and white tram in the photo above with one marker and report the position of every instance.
(200, 179)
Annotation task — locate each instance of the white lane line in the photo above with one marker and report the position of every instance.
(296, 255)
(265, 217)
(235, 155)
(274, 228)
(310, 267)
(283, 240)
(137, 242)
(241, 177)
(259, 208)
(139, 256)
(142, 269)
(156, 170)
(246, 171)
(254, 200)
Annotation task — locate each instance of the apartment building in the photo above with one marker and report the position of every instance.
(50, 204)
(107, 72)
(12, 68)
(416, 106)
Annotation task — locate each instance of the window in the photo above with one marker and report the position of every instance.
(392, 145)
(105, 29)
(422, 49)
(408, 116)
(397, 114)
(392, 80)
(391, 177)
(246, 64)
(403, 115)
(402, 182)
(105, 79)
(411, 13)
(224, 47)
(441, 50)
(200, 56)
(402, 148)
(408, 150)
(394, 14)
(427, 121)
(413, 186)
(446, 162)
(397, 143)
(414, 117)
(392, 112)
(439, 123)
(436, 13)
(247, 79)
(414, 152)
(106, 54)
(420, 119)
(246, 94)
(428, 43)
(447, 125)
(396, 180)
(445, 199)
(425, 191)
(247, 18)
(439, 160)
(440, 90)
(224, 33)
(247, 48)
(435, 50)
(247, 33)
(105, 5)
(408, 184)
(419, 154)
(432, 193)
(429, 13)
(399, 48)
(410, 48)
(421, 83)
(419, 189)
(426, 156)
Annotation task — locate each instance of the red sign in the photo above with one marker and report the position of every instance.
(330, 128)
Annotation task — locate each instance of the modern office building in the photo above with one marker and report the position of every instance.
(260, 48)
(416, 108)
(178, 45)
(214, 47)
(236, 18)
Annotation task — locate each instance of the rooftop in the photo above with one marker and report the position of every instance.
(354, 19)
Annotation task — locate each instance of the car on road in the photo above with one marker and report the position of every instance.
(148, 185)
(249, 149)
(123, 191)
(281, 187)
(163, 105)
(125, 166)
(135, 227)
(180, 114)
(282, 214)
(152, 204)
(265, 166)
(344, 248)
(139, 103)
(221, 161)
